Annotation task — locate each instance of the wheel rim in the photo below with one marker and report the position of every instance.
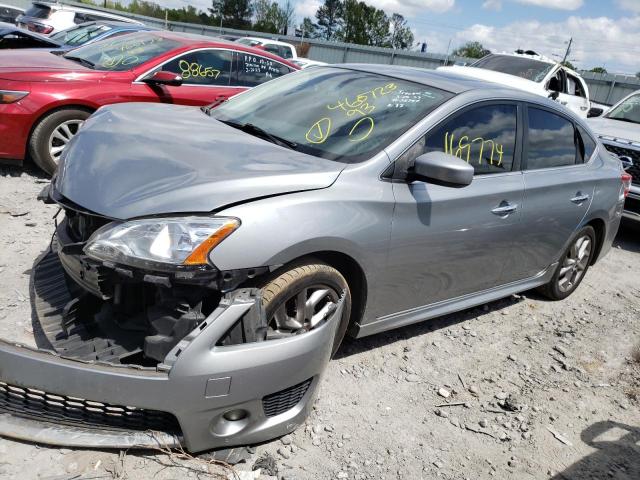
(575, 264)
(303, 311)
(61, 136)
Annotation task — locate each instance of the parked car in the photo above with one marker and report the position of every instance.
(9, 13)
(619, 131)
(15, 37)
(46, 97)
(209, 262)
(282, 49)
(533, 73)
(306, 63)
(47, 18)
(12, 36)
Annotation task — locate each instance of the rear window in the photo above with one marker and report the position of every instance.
(80, 35)
(38, 11)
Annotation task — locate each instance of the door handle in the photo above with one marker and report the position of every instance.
(563, 103)
(583, 108)
(504, 209)
(580, 198)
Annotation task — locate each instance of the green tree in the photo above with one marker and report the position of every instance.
(401, 34)
(598, 70)
(235, 13)
(568, 64)
(309, 29)
(471, 50)
(364, 24)
(330, 16)
(266, 16)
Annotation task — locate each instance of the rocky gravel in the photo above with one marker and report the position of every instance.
(521, 388)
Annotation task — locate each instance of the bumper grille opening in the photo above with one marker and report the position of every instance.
(633, 155)
(39, 405)
(284, 400)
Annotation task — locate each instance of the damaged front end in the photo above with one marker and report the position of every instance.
(140, 357)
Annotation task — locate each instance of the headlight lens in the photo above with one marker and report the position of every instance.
(11, 96)
(160, 241)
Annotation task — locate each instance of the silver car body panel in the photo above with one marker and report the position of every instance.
(423, 249)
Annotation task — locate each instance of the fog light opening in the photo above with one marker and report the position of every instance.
(235, 415)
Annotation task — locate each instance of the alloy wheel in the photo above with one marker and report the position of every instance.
(575, 264)
(303, 311)
(61, 136)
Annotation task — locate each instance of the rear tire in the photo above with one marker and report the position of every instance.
(573, 265)
(313, 283)
(52, 133)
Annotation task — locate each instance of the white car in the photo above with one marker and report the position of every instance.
(306, 63)
(9, 13)
(619, 131)
(282, 49)
(533, 73)
(47, 18)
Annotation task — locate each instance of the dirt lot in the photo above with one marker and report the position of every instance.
(536, 389)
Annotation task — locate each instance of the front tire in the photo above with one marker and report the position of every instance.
(297, 298)
(573, 265)
(52, 134)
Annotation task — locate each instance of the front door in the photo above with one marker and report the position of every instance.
(574, 95)
(447, 242)
(208, 75)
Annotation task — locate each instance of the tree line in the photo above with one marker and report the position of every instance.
(350, 21)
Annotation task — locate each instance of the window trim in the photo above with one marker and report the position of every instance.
(139, 81)
(525, 139)
(519, 143)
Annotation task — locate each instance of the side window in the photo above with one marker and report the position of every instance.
(285, 52)
(555, 82)
(552, 140)
(254, 69)
(485, 137)
(203, 67)
(586, 145)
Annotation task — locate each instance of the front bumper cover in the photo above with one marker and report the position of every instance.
(267, 386)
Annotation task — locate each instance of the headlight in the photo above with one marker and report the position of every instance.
(11, 96)
(158, 242)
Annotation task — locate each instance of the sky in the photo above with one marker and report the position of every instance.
(605, 32)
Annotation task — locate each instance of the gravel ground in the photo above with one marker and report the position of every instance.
(516, 389)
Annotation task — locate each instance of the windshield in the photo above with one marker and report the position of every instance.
(80, 35)
(628, 110)
(38, 11)
(520, 67)
(123, 53)
(333, 113)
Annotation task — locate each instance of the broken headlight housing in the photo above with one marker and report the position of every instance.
(160, 242)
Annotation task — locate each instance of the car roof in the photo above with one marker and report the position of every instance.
(73, 8)
(12, 7)
(267, 40)
(117, 24)
(449, 81)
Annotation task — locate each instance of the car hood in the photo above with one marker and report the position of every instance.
(22, 64)
(497, 77)
(625, 131)
(137, 159)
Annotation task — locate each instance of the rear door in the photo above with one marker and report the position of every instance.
(448, 242)
(559, 185)
(208, 75)
(255, 69)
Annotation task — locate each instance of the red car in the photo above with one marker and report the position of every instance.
(46, 96)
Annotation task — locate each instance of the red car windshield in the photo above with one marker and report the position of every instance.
(122, 53)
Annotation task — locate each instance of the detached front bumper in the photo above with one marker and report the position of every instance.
(202, 396)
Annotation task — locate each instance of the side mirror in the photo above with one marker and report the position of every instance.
(162, 77)
(595, 112)
(554, 95)
(444, 169)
